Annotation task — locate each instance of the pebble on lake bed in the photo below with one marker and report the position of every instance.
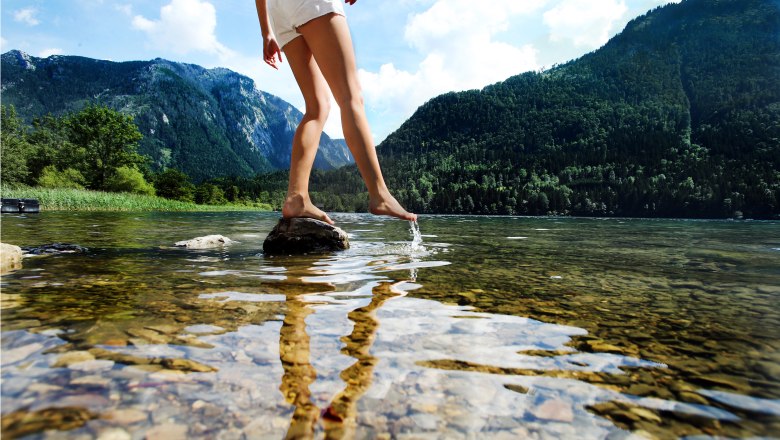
(205, 242)
(304, 235)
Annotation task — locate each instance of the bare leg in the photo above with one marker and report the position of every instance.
(331, 45)
(307, 135)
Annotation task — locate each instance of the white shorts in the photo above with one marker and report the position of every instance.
(288, 15)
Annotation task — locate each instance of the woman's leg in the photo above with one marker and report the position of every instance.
(329, 41)
(307, 135)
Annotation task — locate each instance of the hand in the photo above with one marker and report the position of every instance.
(270, 51)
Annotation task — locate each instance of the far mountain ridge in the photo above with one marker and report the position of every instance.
(205, 122)
(677, 115)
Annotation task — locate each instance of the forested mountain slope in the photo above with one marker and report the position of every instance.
(678, 115)
(205, 122)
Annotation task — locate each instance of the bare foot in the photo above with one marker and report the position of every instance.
(388, 205)
(300, 206)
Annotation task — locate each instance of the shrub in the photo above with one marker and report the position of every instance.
(51, 177)
(129, 179)
(175, 185)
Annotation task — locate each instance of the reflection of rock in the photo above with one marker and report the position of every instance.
(304, 235)
(10, 257)
(205, 242)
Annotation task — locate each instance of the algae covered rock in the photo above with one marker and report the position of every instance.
(303, 236)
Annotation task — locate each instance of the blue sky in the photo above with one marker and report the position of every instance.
(408, 51)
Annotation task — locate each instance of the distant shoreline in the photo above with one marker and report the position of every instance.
(68, 199)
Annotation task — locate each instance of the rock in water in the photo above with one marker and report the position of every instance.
(10, 257)
(304, 235)
(55, 249)
(205, 242)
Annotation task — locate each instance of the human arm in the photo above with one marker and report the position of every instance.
(270, 46)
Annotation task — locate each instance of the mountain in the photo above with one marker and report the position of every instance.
(678, 115)
(205, 122)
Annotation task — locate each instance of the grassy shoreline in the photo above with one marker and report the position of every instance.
(67, 199)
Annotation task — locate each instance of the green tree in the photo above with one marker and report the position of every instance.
(210, 194)
(51, 147)
(110, 140)
(128, 179)
(51, 177)
(175, 185)
(14, 148)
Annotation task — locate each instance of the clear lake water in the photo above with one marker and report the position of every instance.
(491, 327)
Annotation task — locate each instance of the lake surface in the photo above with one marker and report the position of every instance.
(499, 327)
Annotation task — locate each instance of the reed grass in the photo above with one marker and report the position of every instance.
(68, 199)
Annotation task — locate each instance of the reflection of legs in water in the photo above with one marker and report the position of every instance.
(294, 350)
(298, 372)
(340, 417)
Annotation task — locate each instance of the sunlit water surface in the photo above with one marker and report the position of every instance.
(490, 328)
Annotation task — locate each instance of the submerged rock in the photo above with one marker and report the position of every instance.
(205, 242)
(22, 422)
(73, 357)
(10, 257)
(304, 235)
(54, 249)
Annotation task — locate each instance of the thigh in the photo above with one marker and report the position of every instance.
(307, 73)
(330, 43)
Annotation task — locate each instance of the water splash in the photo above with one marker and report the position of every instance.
(414, 228)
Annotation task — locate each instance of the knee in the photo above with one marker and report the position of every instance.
(351, 103)
(318, 110)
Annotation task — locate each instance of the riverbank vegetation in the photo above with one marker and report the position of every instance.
(72, 199)
(88, 160)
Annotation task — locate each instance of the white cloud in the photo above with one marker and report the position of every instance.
(184, 26)
(586, 23)
(460, 49)
(50, 51)
(27, 15)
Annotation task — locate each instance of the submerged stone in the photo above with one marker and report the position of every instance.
(304, 235)
(73, 357)
(22, 422)
(205, 242)
(55, 249)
